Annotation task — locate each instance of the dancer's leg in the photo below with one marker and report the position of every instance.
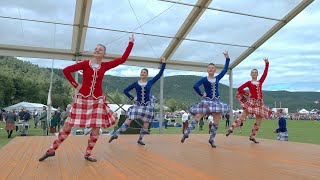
(94, 135)
(214, 128)
(122, 129)
(255, 129)
(63, 134)
(237, 122)
(191, 126)
(143, 131)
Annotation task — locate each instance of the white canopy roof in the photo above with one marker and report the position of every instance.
(72, 32)
(29, 106)
(303, 111)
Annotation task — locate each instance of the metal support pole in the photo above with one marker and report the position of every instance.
(161, 104)
(76, 77)
(231, 95)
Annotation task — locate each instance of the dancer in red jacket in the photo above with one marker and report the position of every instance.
(90, 108)
(254, 104)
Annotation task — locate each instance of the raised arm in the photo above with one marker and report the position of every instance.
(155, 79)
(226, 66)
(241, 88)
(197, 85)
(265, 72)
(129, 88)
(123, 58)
(73, 68)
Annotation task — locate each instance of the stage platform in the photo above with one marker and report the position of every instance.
(163, 157)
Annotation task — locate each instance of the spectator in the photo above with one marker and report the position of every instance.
(282, 130)
(35, 118)
(43, 120)
(64, 115)
(26, 116)
(166, 120)
(58, 118)
(201, 123)
(54, 122)
(227, 120)
(21, 115)
(185, 117)
(10, 119)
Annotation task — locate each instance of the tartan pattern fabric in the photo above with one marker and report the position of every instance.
(237, 122)
(9, 126)
(142, 133)
(191, 127)
(254, 106)
(63, 134)
(208, 106)
(282, 136)
(52, 129)
(91, 142)
(213, 130)
(141, 111)
(122, 129)
(254, 130)
(91, 112)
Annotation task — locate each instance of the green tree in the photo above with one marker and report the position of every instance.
(172, 104)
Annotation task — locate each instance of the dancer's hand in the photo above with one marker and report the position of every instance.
(163, 60)
(131, 39)
(204, 94)
(266, 60)
(274, 131)
(226, 55)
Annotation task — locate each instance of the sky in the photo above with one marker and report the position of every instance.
(293, 51)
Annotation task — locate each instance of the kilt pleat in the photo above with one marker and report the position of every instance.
(208, 106)
(254, 106)
(91, 112)
(9, 126)
(144, 112)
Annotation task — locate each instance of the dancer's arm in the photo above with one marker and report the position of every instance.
(163, 66)
(73, 68)
(197, 85)
(129, 88)
(241, 88)
(265, 72)
(226, 66)
(123, 58)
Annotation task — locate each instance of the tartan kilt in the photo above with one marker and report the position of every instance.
(52, 129)
(91, 112)
(282, 136)
(254, 106)
(9, 126)
(208, 106)
(141, 111)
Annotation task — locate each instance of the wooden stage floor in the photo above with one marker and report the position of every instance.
(164, 157)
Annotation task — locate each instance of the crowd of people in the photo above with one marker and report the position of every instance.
(20, 120)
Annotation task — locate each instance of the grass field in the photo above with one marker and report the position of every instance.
(299, 131)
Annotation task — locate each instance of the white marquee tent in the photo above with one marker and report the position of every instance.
(303, 111)
(29, 106)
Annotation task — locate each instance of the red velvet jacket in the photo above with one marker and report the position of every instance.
(255, 89)
(92, 77)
